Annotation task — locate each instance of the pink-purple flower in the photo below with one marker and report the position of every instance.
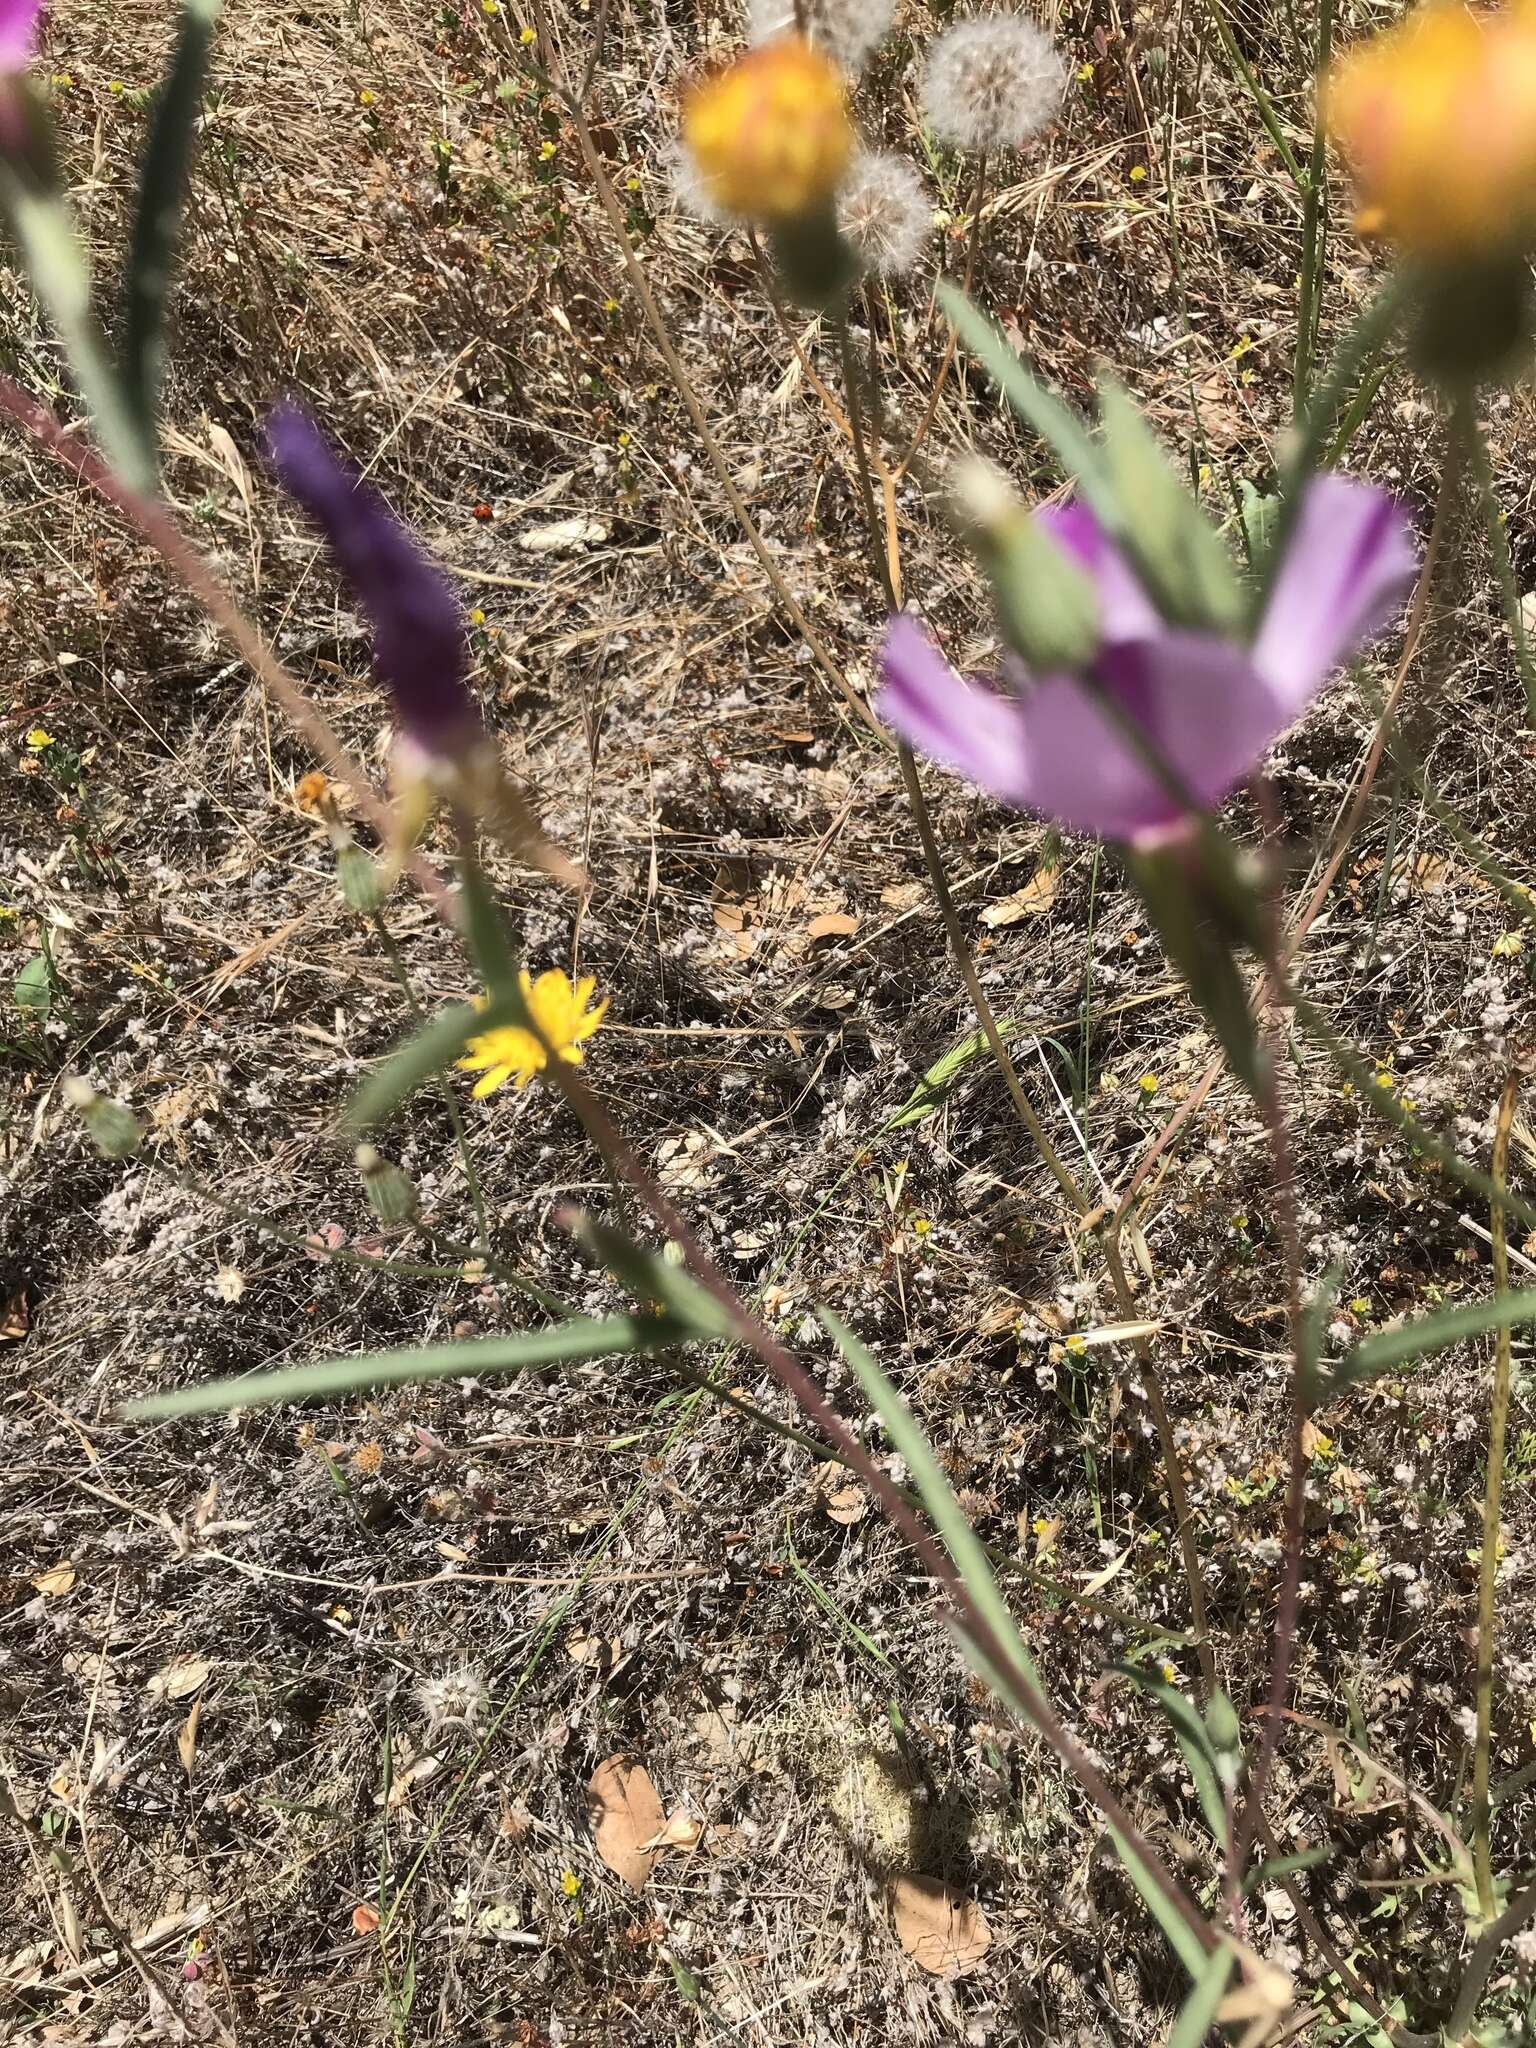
(19, 20)
(418, 630)
(1208, 707)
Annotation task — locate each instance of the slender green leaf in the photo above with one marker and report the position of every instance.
(1273, 1868)
(1197, 2015)
(1054, 422)
(56, 264)
(1181, 1938)
(1193, 1739)
(427, 1053)
(1425, 1334)
(487, 938)
(157, 219)
(949, 1518)
(654, 1279)
(569, 1343)
(1183, 564)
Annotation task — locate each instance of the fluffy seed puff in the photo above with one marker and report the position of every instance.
(457, 1698)
(847, 31)
(885, 213)
(993, 82)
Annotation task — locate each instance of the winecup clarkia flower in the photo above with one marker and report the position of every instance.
(565, 1016)
(419, 641)
(19, 21)
(1208, 706)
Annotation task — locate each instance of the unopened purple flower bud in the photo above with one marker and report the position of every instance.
(419, 642)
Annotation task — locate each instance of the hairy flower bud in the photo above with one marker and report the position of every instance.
(993, 82)
(390, 1190)
(111, 1126)
(770, 135)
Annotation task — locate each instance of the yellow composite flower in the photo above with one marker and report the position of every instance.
(770, 135)
(564, 1015)
(1437, 118)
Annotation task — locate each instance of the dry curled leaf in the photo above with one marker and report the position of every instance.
(1036, 897)
(682, 1831)
(58, 1580)
(186, 1738)
(943, 1931)
(832, 924)
(626, 1818)
(365, 1919)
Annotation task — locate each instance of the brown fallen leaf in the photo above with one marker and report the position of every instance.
(181, 1677)
(833, 924)
(186, 1739)
(682, 1831)
(1035, 898)
(58, 1580)
(365, 1919)
(626, 1816)
(15, 1318)
(943, 1931)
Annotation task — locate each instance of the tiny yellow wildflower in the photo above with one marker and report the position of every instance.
(1360, 1306)
(39, 740)
(1085, 74)
(490, 7)
(570, 1883)
(547, 150)
(1507, 944)
(1077, 1344)
(560, 1011)
(770, 135)
(477, 617)
(1138, 174)
(1169, 1671)
(1437, 118)
(528, 35)
(1149, 1085)
(367, 98)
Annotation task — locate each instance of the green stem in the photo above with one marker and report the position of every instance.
(455, 1115)
(921, 817)
(1498, 1421)
(1314, 226)
(1503, 561)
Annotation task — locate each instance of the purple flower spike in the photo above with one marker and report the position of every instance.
(19, 21)
(1208, 706)
(418, 630)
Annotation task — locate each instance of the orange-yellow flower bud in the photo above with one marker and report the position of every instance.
(1437, 118)
(770, 135)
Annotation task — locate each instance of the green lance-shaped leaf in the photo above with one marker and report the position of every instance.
(569, 1343)
(1197, 2015)
(1409, 1342)
(654, 1278)
(1190, 912)
(1181, 559)
(157, 217)
(1193, 1739)
(432, 1049)
(1056, 424)
(32, 196)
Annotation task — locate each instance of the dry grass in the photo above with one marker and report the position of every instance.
(626, 1566)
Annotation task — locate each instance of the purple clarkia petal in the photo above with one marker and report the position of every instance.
(1349, 562)
(418, 629)
(1125, 610)
(19, 21)
(1198, 701)
(939, 714)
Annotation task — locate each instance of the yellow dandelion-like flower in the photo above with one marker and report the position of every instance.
(769, 136)
(564, 1015)
(1437, 118)
(39, 740)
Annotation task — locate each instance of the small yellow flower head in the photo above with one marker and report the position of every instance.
(1438, 120)
(560, 1011)
(39, 740)
(770, 136)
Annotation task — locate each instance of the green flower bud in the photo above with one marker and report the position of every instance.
(1046, 604)
(390, 1190)
(111, 1126)
(357, 877)
(1179, 556)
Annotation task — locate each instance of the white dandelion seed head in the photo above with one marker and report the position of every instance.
(455, 1698)
(886, 214)
(993, 82)
(847, 31)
